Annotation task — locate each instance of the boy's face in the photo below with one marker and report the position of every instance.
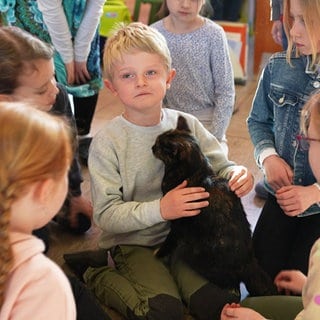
(37, 87)
(140, 80)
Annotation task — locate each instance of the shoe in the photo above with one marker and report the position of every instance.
(79, 262)
(261, 191)
(83, 150)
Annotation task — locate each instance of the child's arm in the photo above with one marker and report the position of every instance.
(87, 29)
(224, 89)
(56, 22)
(241, 180)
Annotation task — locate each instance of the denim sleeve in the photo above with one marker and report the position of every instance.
(276, 9)
(260, 121)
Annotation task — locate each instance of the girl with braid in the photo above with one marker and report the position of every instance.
(36, 154)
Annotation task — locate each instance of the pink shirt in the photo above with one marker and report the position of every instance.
(37, 288)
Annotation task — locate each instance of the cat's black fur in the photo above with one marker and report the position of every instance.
(217, 242)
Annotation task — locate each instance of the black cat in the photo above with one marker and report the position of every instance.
(217, 242)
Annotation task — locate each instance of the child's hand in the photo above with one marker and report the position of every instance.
(234, 311)
(294, 200)
(278, 173)
(81, 72)
(183, 202)
(241, 181)
(290, 281)
(70, 72)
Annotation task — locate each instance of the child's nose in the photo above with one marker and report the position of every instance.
(294, 31)
(141, 80)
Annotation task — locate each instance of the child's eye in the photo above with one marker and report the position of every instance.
(151, 73)
(127, 76)
(302, 21)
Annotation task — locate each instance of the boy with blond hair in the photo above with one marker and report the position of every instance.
(126, 188)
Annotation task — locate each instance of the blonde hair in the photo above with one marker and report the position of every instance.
(131, 38)
(311, 108)
(34, 146)
(19, 50)
(311, 16)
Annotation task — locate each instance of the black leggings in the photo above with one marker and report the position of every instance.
(282, 242)
(84, 109)
(86, 304)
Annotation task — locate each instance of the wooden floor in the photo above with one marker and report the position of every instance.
(240, 150)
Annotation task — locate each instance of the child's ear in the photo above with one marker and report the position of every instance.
(171, 75)
(110, 86)
(43, 190)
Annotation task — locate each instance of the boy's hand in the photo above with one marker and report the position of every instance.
(183, 202)
(241, 181)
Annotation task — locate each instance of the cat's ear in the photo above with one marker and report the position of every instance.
(182, 124)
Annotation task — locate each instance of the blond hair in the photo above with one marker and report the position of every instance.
(132, 38)
(19, 51)
(34, 146)
(311, 16)
(312, 106)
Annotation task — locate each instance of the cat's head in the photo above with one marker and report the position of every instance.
(176, 145)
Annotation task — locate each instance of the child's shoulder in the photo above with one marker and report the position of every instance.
(112, 126)
(172, 116)
(210, 25)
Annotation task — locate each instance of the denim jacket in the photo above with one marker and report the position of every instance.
(274, 119)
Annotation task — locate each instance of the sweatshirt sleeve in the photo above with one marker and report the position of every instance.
(117, 208)
(212, 149)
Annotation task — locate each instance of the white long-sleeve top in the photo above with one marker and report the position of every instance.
(55, 19)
